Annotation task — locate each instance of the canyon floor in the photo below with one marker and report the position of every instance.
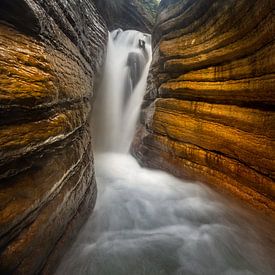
(149, 222)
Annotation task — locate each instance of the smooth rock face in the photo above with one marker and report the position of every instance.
(208, 113)
(128, 14)
(50, 56)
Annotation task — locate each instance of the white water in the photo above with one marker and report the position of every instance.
(119, 101)
(149, 222)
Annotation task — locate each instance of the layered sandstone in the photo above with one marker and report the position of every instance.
(50, 56)
(208, 113)
(128, 14)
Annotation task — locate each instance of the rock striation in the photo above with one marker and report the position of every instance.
(208, 113)
(50, 55)
(128, 14)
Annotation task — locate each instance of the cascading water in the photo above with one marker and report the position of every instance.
(126, 70)
(148, 222)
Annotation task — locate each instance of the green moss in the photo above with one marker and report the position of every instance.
(151, 6)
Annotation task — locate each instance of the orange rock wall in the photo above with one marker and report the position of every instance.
(50, 56)
(208, 113)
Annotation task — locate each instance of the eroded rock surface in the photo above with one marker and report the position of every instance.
(208, 113)
(50, 56)
(128, 14)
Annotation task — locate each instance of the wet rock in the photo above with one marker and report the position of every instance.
(208, 113)
(50, 58)
(142, 44)
(136, 63)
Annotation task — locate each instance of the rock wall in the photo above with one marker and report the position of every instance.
(50, 55)
(128, 14)
(208, 113)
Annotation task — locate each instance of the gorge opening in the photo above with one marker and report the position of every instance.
(147, 221)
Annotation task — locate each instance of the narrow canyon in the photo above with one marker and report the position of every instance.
(137, 137)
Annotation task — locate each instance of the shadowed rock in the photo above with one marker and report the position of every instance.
(128, 14)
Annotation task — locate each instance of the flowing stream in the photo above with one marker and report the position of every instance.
(148, 222)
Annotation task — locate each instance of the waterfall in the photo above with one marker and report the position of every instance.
(124, 83)
(148, 222)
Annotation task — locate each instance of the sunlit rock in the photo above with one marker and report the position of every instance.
(50, 56)
(208, 113)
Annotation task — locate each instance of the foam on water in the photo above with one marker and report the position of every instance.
(148, 222)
